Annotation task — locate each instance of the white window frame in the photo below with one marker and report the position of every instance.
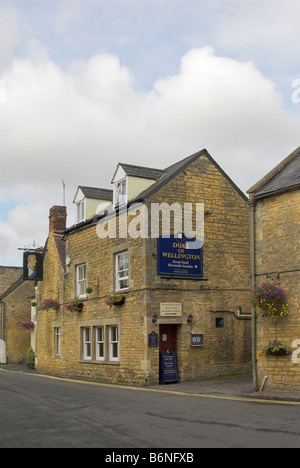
(121, 192)
(113, 343)
(81, 282)
(81, 211)
(57, 336)
(87, 343)
(120, 272)
(100, 342)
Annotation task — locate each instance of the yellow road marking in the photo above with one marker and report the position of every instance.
(155, 390)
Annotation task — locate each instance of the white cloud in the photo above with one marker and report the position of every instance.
(9, 35)
(78, 124)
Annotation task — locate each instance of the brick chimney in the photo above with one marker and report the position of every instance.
(58, 219)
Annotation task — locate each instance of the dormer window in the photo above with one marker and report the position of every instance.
(121, 193)
(91, 200)
(130, 181)
(80, 211)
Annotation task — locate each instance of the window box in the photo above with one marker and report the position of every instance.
(75, 306)
(115, 300)
(49, 304)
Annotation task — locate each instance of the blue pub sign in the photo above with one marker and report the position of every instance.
(180, 257)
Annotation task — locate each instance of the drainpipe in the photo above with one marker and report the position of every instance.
(253, 281)
(2, 320)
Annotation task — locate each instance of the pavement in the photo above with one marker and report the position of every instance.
(239, 386)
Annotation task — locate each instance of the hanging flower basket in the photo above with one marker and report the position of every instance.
(49, 304)
(75, 306)
(28, 325)
(277, 349)
(115, 300)
(271, 300)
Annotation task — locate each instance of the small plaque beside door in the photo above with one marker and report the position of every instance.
(153, 340)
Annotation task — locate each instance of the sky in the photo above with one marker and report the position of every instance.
(86, 84)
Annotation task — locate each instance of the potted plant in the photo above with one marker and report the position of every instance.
(115, 299)
(271, 300)
(277, 349)
(49, 304)
(28, 325)
(30, 358)
(75, 306)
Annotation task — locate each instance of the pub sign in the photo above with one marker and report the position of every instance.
(33, 266)
(180, 257)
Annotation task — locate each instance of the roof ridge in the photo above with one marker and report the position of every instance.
(270, 175)
(96, 188)
(141, 167)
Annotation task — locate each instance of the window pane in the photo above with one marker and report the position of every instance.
(80, 211)
(87, 343)
(99, 334)
(100, 352)
(87, 334)
(81, 279)
(100, 343)
(115, 350)
(123, 274)
(88, 350)
(113, 345)
(122, 271)
(114, 334)
(57, 341)
(81, 288)
(121, 192)
(125, 261)
(124, 284)
(81, 272)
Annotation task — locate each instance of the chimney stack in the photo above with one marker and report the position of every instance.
(58, 219)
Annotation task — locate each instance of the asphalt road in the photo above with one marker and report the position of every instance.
(39, 412)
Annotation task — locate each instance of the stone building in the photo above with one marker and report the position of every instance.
(15, 298)
(178, 296)
(275, 202)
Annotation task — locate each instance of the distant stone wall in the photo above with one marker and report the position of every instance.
(8, 276)
(16, 307)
